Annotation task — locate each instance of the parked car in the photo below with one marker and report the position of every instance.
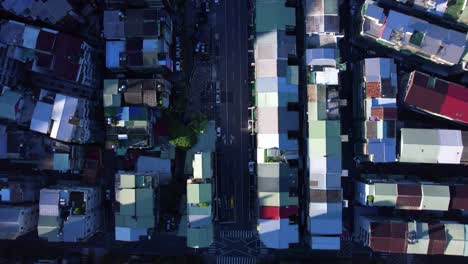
(251, 167)
(216, 2)
(207, 7)
(178, 66)
(218, 131)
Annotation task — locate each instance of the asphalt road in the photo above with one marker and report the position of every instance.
(233, 113)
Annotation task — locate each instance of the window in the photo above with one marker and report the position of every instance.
(293, 106)
(293, 134)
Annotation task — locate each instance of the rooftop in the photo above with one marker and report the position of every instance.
(437, 97)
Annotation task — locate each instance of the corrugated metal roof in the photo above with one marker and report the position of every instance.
(437, 96)
(48, 202)
(385, 194)
(421, 235)
(419, 145)
(8, 104)
(455, 239)
(200, 237)
(325, 218)
(202, 167)
(409, 196)
(41, 117)
(273, 15)
(278, 233)
(388, 237)
(459, 197)
(435, 197)
(437, 239)
(199, 193)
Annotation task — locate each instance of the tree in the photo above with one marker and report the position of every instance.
(198, 123)
(183, 142)
(181, 136)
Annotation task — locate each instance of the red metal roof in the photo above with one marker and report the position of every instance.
(409, 195)
(437, 239)
(456, 103)
(421, 96)
(45, 41)
(459, 197)
(269, 212)
(384, 113)
(287, 211)
(388, 237)
(277, 212)
(444, 98)
(67, 54)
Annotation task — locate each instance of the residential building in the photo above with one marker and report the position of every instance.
(322, 17)
(412, 237)
(412, 35)
(138, 40)
(199, 202)
(128, 127)
(16, 221)
(379, 108)
(433, 146)
(55, 12)
(137, 206)
(324, 169)
(446, 9)
(51, 53)
(11, 70)
(412, 196)
(148, 92)
(277, 123)
(69, 213)
(31, 150)
(19, 189)
(66, 118)
(437, 97)
(158, 167)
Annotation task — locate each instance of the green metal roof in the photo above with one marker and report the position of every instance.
(61, 162)
(8, 101)
(200, 237)
(144, 202)
(273, 15)
(199, 210)
(293, 74)
(199, 193)
(134, 222)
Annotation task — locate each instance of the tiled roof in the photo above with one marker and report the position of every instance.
(373, 89)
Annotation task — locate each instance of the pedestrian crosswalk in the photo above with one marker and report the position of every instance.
(235, 260)
(241, 234)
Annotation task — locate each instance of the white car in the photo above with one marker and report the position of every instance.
(178, 66)
(218, 131)
(218, 98)
(216, 2)
(207, 9)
